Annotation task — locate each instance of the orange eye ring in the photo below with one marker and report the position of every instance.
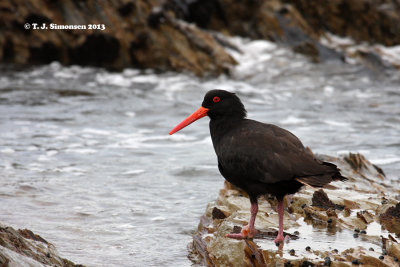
(216, 99)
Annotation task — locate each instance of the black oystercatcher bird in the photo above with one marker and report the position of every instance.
(259, 158)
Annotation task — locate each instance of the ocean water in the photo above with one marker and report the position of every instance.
(87, 163)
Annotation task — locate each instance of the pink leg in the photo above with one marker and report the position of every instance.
(248, 231)
(280, 238)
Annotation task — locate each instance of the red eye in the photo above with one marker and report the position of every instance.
(216, 99)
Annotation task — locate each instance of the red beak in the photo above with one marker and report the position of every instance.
(198, 114)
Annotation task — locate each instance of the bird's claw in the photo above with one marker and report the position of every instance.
(246, 232)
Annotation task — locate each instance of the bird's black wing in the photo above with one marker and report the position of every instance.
(269, 154)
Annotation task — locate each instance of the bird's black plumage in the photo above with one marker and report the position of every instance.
(257, 157)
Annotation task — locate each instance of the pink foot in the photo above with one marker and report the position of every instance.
(280, 239)
(246, 232)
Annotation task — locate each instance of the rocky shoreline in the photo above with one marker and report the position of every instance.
(357, 222)
(191, 35)
(24, 248)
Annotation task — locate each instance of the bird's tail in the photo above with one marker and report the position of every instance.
(337, 176)
(332, 173)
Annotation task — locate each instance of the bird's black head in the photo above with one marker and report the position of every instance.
(223, 104)
(217, 104)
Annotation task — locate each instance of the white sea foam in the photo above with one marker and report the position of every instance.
(38, 81)
(149, 78)
(350, 47)
(43, 158)
(4, 82)
(22, 123)
(82, 151)
(113, 79)
(7, 150)
(32, 148)
(390, 54)
(292, 120)
(337, 123)
(158, 218)
(96, 131)
(252, 60)
(181, 137)
(328, 90)
(130, 72)
(133, 172)
(362, 94)
(130, 114)
(52, 152)
(383, 161)
(67, 73)
(331, 40)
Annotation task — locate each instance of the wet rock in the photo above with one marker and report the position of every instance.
(126, 9)
(174, 35)
(218, 214)
(304, 26)
(327, 261)
(317, 217)
(30, 235)
(320, 199)
(360, 164)
(307, 264)
(24, 248)
(391, 219)
(309, 209)
(309, 49)
(393, 249)
(362, 20)
(292, 252)
(270, 20)
(365, 216)
(97, 49)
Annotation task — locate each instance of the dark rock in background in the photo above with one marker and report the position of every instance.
(180, 35)
(362, 20)
(301, 24)
(137, 34)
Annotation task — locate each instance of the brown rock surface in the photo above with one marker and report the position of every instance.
(301, 24)
(270, 20)
(391, 219)
(24, 248)
(155, 34)
(344, 235)
(362, 20)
